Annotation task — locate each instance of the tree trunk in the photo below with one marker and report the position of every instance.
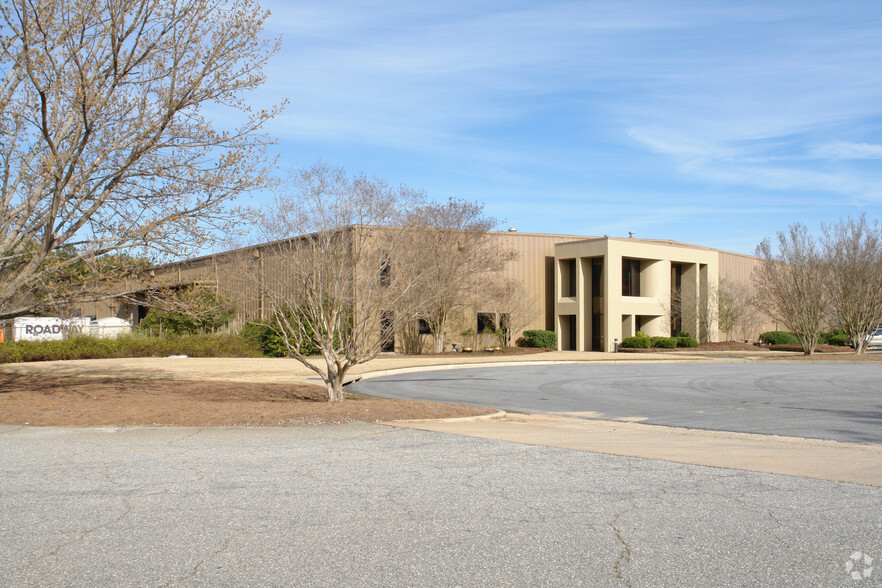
(334, 381)
(335, 389)
(439, 341)
(438, 335)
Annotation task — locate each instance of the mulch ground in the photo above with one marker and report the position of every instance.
(88, 402)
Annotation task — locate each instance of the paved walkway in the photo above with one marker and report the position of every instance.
(792, 456)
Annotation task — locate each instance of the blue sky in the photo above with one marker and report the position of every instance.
(715, 123)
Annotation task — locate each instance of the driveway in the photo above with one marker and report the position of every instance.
(837, 401)
(370, 505)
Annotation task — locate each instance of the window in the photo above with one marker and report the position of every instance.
(676, 298)
(486, 321)
(387, 331)
(630, 277)
(568, 278)
(597, 277)
(385, 268)
(423, 326)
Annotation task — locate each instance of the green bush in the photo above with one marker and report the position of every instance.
(539, 338)
(683, 334)
(664, 342)
(778, 338)
(127, 346)
(269, 341)
(838, 338)
(686, 341)
(208, 314)
(636, 343)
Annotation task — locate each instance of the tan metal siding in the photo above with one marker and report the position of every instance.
(534, 269)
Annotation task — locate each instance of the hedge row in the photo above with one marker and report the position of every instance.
(129, 346)
(643, 342)
(837, 338)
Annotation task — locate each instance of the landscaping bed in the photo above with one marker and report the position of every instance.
(88, 402)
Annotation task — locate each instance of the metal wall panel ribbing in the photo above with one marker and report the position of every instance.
(534, 269)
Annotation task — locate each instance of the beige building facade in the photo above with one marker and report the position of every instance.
(607, 289)
(592, 291)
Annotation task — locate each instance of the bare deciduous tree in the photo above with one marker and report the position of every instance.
(790, 284)
(853, 256)
(105, 138)
(510, 307)
(696, 312)
(335, 276)
(456, 258)
(736, 309)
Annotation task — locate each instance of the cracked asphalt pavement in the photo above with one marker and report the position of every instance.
(373, 505)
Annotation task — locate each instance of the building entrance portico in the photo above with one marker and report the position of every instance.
(607, 289)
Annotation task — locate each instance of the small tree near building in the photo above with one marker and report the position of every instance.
(736, 310)
(336, 273)
(457, 260)
(852, 252)
(790, 284)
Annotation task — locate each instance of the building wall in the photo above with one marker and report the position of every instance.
(534, 269)
(736, 274)
(537, 268)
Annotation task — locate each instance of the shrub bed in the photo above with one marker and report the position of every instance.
(637, 342)
(130, 346)
(539, 338)
(664, 342)
(687, 341)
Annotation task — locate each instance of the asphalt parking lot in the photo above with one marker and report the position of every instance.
(838, 401)
(374, 505)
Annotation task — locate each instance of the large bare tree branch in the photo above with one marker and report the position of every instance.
(104, 141)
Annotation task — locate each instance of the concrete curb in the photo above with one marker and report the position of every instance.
(499, 414)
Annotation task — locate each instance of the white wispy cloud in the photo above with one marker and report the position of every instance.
(847, 150)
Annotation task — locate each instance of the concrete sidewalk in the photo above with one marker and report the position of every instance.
(791, 456)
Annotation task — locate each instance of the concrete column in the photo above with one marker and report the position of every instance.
(584, 319)
(628, 327)
(613, 318)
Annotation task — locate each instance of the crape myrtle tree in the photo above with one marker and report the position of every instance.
(106, 139)
(852, 251)
(791, 285)
(509, 308)
(458, 261)
(736, 308)
(335, 273)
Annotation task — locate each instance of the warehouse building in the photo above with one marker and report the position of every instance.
(592, 291)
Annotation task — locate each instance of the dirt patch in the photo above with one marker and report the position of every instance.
(89, 402)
